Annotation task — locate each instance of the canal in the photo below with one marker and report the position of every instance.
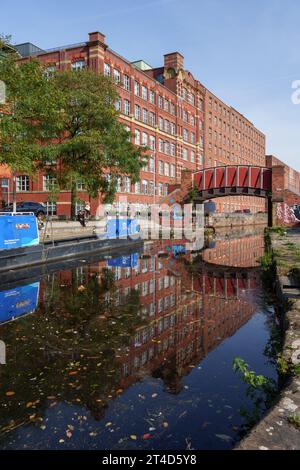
(136, 351)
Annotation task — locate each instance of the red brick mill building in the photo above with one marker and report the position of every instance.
(184, 125)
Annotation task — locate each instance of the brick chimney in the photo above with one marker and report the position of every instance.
(174, 60)
(96, 36)
(97, 48)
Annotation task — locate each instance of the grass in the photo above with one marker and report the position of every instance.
(279, 230)
(294, 420)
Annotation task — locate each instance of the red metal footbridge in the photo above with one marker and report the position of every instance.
(233, 180)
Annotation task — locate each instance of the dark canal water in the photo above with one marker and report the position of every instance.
(136, 351)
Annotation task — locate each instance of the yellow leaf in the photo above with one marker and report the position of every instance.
(133, 437)
(10, 394)
(29, 404)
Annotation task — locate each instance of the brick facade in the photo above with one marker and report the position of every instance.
(185, 126)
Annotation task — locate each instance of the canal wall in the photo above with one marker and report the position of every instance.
(237, 220)
(280, 427)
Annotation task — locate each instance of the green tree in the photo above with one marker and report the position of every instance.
(69, 119)
(28, 117)
(91, 142)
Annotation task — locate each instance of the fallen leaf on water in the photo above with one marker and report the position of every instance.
(146, 436)
(61, 441)
(69, 434)
(10, 394)
(81, 288)
(29, 404)
(224, 437)
(73, 372)
(154, 395)
(108, 424)
(133, 437)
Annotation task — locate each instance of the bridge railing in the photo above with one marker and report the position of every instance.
(234, 176)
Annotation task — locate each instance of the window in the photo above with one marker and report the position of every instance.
(78, 64)
(136, 88)
(167, 147)
(160, 123)
(185, 154)
(126, 105)
(160, 102)
(51, 208)
(192, 138)
(137, 111)
(192, 120)
(126, 81)
(81, 185)
(172, 170)
(160, 167)
(172, 109)
(144, 139)
(152, 119)
(127, 184)
(152, 142)
(192, 156)
(173, 128)
(49, 182)
(144, 93)
(160, 145)
(166, 105)
(185, 135)
(22, 183)
(160, 190)
(119, 184)
(118, 104)
(151, 188)
(184, 116)
(145, 115)
(145, 187)
(152, 165)
(152, 96)
(167, 169)
(137, 187)
(117, 76)
(137, 137)
(107, 70)
(167, 126)
(173, 149)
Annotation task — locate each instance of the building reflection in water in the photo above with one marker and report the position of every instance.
(187, 305)
(185, 314)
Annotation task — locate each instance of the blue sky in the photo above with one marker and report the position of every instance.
(246, 51)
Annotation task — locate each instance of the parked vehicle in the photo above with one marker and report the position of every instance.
(247, 211)
(38, 209)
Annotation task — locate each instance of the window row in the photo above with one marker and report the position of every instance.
(49, 183)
